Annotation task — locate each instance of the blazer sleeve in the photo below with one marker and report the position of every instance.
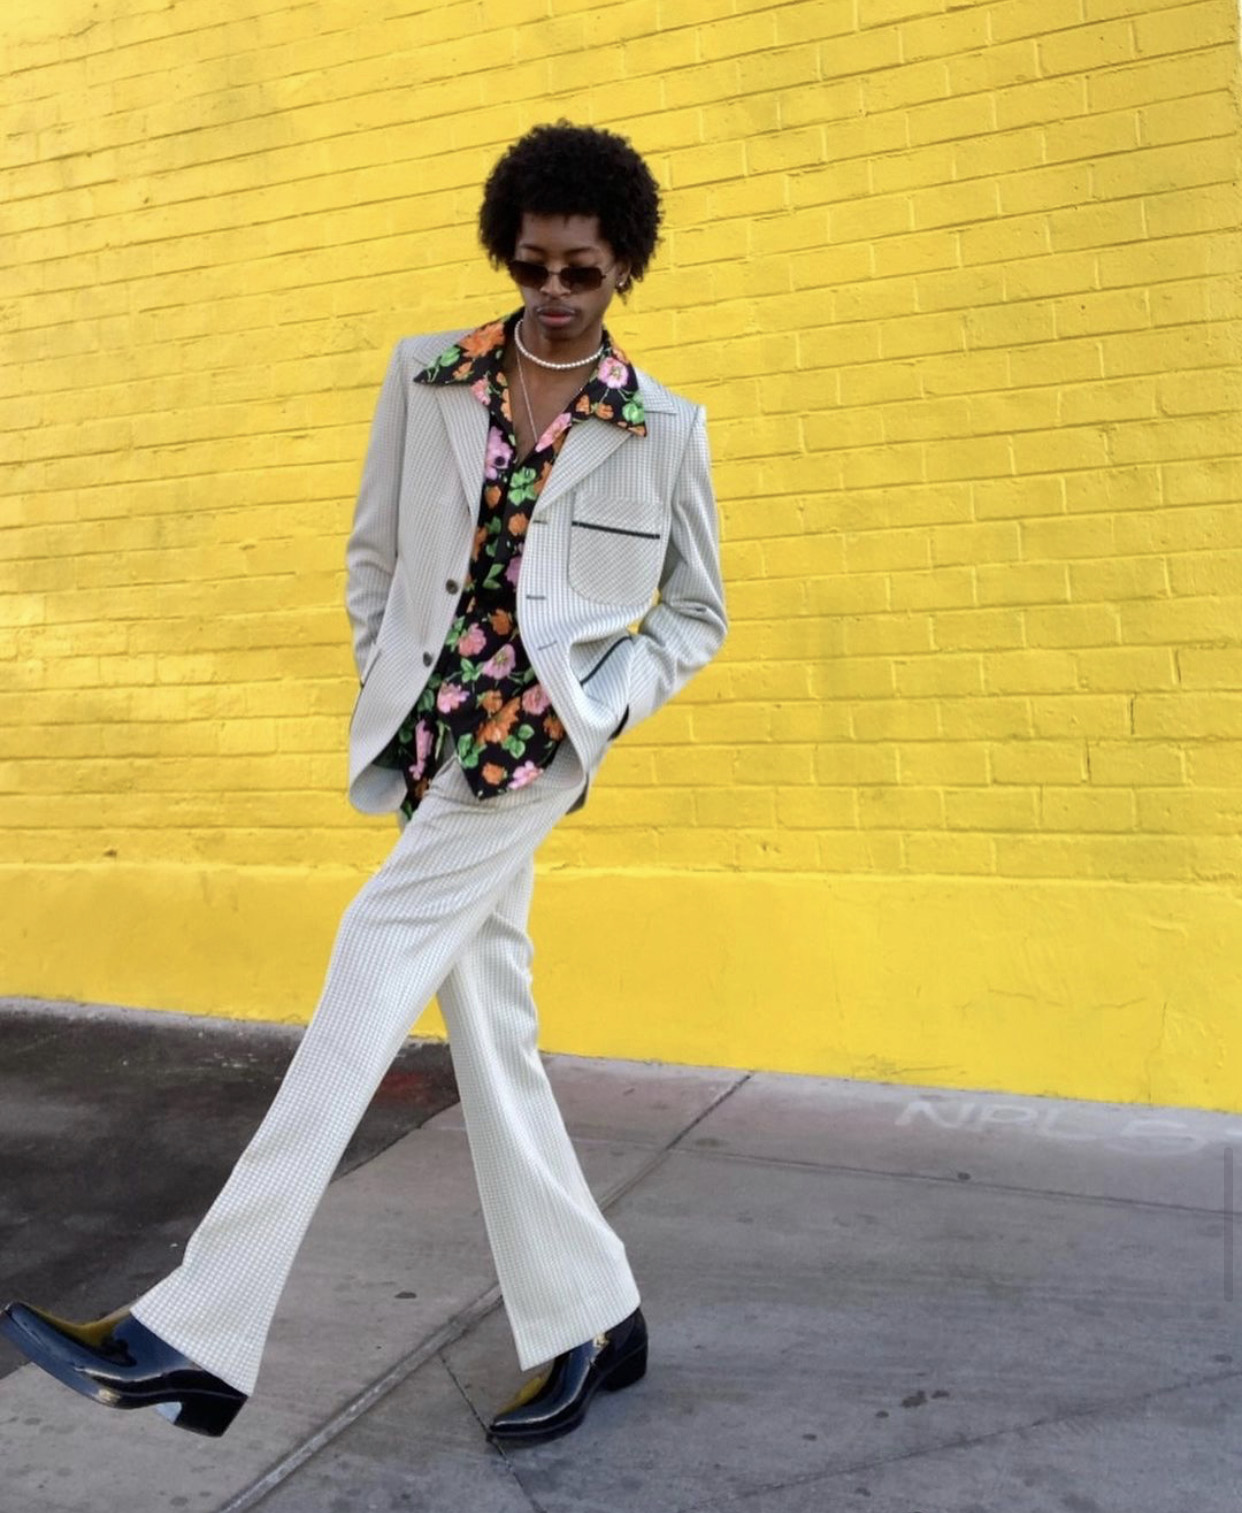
(683, 631)
(371, 552)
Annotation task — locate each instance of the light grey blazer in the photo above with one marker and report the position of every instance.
(622, 521)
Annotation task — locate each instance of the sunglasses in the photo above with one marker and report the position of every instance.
(579, 279)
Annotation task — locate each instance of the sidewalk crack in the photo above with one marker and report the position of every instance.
(963, 1442)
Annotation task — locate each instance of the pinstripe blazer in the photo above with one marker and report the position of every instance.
(624, 533)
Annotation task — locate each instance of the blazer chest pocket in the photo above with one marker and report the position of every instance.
(616, 548)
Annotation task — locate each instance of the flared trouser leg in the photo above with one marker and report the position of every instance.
(563, 1272)
(398, 939)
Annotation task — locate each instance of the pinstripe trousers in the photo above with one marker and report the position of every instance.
(446, 911)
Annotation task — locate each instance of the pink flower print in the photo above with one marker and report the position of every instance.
(450, 696)
(501, 664)
(561, 423)
(526, 773)
(611, 372)
(422, 750)
(514, 568)
(535, 700)
(479, 389)
(474, 640)
(499, 453)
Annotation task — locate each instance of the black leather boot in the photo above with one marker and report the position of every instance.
(118, 1361)
(557, 1401)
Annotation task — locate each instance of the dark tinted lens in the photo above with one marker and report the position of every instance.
(582, 278)
(529, 275)
(535, 275)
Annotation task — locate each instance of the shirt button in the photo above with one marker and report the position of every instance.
(426, 659)
(453, 586)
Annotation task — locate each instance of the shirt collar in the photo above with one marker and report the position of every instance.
(610, 394)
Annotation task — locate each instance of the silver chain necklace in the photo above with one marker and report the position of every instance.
(555, 367)
(535, 431)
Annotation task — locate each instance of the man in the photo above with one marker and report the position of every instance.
(527, 494)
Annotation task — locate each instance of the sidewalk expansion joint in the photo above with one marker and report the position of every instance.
(1060, 1195)
(439, 1340)
(509, 1466)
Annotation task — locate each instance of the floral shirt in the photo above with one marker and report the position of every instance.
(483, 700)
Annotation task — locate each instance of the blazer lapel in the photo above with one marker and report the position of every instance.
(589, 442)
(466, 421)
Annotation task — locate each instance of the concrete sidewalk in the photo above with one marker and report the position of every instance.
(861, 1296)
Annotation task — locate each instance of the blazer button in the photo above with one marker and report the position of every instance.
(426, 659)
(453, 586)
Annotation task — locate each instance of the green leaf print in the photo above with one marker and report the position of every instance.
(493, 575)
(449, 358)
(468, 750)
(470, 671)
(513, 746)
(632, 410)
(522, 486)
(525, 731)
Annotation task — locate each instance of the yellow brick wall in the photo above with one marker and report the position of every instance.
(960, 801)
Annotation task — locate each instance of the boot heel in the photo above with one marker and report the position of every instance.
(626, 1372)
(202, 1412)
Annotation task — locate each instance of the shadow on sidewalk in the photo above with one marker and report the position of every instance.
(118, 1127)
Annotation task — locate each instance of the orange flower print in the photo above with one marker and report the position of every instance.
(583, 406)
(605, 412)
(480, 537)
(553, 727)
(501, 621)
(499, 726)
(491, 700)
(493, 773)
(483, 340)
(517, 525)
(492, 495)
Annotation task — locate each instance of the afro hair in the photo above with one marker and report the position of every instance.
(564, 169)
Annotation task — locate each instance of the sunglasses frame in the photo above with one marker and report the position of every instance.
(565, 274)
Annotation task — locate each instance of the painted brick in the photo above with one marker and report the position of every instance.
(1088, 48)
(1014, 18)
(977, 629)
(957, 284)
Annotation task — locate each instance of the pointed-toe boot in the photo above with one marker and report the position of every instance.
(118, 1361)
(557, 1401)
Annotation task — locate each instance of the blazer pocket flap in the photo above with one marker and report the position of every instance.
(619, 513)
(616, 548)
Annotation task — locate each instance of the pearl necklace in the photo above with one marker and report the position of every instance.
(556, 367)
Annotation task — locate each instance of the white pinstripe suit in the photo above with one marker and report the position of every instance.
(619, 516)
